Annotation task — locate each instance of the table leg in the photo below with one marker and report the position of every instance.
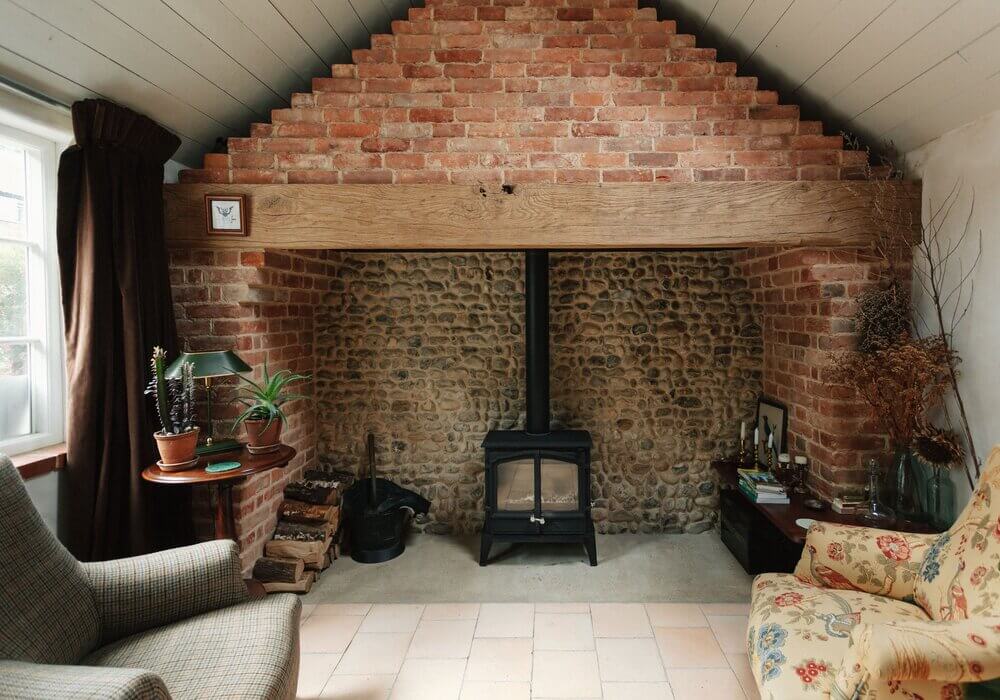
(225, 527)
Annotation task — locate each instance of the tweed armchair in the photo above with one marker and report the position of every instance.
(176, 624)
(879, 614)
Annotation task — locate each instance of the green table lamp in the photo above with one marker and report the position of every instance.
(207, 365)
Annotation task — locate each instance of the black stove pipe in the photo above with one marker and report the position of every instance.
(536, 340)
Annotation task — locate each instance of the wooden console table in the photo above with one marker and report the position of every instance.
(764, 537)
(225, 528)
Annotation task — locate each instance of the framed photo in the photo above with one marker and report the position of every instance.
(226, 214)
(772, 418)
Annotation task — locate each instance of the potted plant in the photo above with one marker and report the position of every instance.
(178, 437)
(263, 416)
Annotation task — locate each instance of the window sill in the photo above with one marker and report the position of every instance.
(41, 461)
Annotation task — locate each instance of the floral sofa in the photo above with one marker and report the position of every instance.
(879, 614)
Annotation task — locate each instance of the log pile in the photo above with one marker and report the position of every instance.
(307, 538)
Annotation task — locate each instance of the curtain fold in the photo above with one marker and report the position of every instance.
(117, 305)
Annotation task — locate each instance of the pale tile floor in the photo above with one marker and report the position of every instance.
(513, 651)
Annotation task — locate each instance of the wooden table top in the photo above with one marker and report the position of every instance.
(249, 465)
(783, 516)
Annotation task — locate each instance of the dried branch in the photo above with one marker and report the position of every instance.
(933, 255)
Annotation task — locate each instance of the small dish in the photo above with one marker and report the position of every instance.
(805, 523)
(178, 467)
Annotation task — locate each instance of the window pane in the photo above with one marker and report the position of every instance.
(13, 289)
(13, 179)
(15, 390)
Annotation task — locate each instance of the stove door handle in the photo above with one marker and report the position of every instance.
(540, 521)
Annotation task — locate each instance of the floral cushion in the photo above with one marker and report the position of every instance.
(847, 557)
(960, 576)
(938, 657)
(798, 632)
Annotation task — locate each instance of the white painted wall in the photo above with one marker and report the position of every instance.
(970, 156)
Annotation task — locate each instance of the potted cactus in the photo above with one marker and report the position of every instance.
(263, 416)
(178, 437)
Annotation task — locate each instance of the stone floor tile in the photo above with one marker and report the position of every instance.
(563, 632)
(689, 647)
(506, 620)
(629, 660)
(499, 660)
(676, 615)
(327, 634)
(565, 674)
(392, 619)
(620, 620)
(374, 654)
(442, 639)
(429, 679)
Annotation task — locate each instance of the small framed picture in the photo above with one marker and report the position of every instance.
(226, 214)
(772, 419)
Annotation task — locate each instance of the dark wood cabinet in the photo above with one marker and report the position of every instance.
(765, 537)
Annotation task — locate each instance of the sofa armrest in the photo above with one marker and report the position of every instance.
(959, 651)
(19, 679)
(883, 562)
(138, 593)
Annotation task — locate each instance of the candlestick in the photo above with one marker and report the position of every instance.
(743, 431)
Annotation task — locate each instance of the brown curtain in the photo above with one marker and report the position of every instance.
(117, 306)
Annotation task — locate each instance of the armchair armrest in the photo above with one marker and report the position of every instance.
(883, 562)
(19, 679)
(138, 593)
(959, 651)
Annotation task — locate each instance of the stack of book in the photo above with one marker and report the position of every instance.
(761, 487)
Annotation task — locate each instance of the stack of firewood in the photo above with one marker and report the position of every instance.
(307, 538)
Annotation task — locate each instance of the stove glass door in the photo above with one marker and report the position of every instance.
(516, 485)
(560, 485)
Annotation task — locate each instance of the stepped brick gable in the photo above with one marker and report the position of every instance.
(533, 91)
(554, 91)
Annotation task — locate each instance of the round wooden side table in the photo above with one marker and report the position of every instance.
(225, 528)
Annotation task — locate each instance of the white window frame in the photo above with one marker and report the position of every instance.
(45, 332)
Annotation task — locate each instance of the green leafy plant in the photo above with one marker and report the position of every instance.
(264, 400)
(174, 397)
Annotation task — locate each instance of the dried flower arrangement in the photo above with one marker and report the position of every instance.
(882, 318)
(938, 447)
(939, 273)
(899, 383)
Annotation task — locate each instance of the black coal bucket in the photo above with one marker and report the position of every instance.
(377, 512)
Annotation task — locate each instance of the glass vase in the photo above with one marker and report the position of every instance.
(939, 501)
(878, 514)
(905, 501)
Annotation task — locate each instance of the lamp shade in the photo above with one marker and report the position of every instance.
(216, 363)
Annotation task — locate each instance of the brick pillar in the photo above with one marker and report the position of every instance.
(260, 304)
(806, 299)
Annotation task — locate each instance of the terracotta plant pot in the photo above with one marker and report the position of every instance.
(260, 436)
(177, 449)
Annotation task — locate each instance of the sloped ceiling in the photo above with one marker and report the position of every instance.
(900, 70)
(206, 69)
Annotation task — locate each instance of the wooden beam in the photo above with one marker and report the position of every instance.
(609, 216)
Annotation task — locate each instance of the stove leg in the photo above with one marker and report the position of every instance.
(591, 544)
(485, 544)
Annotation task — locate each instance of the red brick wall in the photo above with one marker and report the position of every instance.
(260, 304)
(533, 91)
(807, 300)
(557, 91)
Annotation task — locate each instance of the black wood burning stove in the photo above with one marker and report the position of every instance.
(537, 480)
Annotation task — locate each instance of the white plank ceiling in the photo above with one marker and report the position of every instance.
(889, 71)
(205, 69)
(899, 70)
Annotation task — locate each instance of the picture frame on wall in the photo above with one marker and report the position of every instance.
(772, 417)
(225, 214)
